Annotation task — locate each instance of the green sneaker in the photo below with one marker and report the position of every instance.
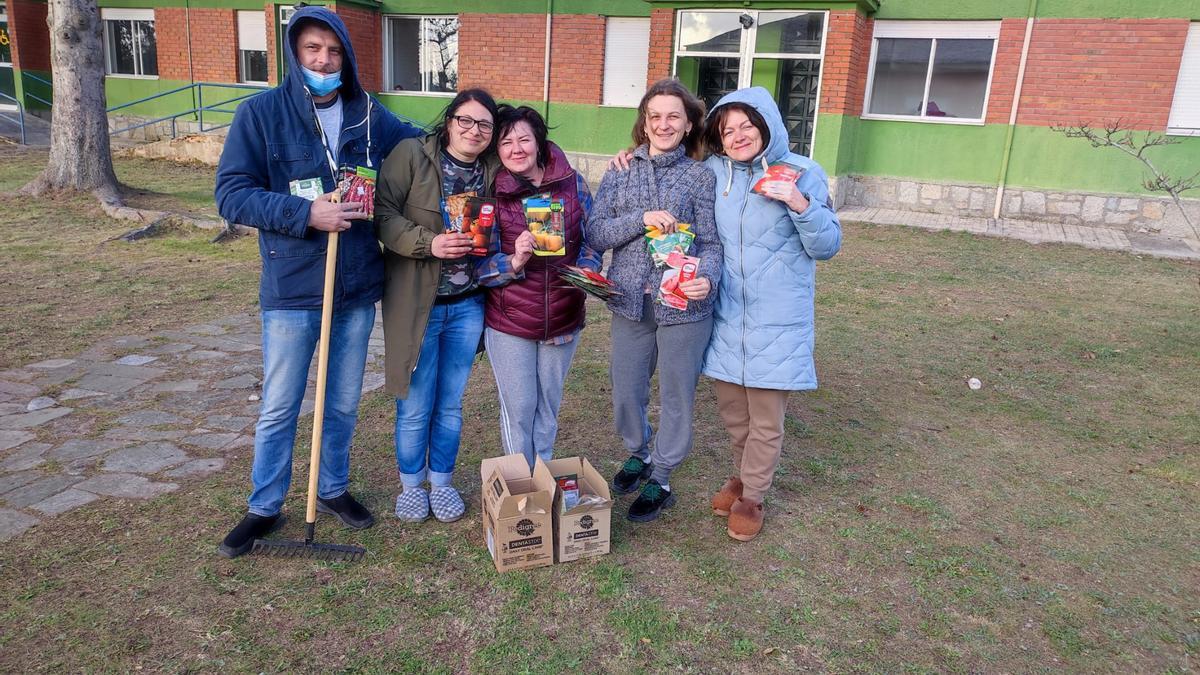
(654, 499)
(631, 475)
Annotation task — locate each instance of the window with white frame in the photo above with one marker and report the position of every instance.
(1185, 109)
(421, 54)
(129, 44)
(626, 60)
(936, 71)
(252, 47)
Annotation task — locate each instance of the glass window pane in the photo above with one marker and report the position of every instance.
(710, 32)
(120, 47)
(901, 65)
(441, 54)
(709, 77)
(149, 55)
(789, 33)
(794, 84)
(254, 66)
(5, 46)
(406, 47)
(960, 74)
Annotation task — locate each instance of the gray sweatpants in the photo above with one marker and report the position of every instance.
(638, 347)
(529, 379)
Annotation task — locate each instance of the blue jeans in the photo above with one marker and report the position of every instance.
(289, 339)
(429, 421)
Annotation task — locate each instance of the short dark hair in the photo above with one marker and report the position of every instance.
(693, 106)
(716, 120)
(478, 95)
(510, 116)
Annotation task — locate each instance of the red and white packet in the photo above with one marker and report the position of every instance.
(680, 268)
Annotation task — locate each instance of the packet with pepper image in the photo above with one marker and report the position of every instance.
(661, 244)
(452, 210)
(680, 268)
(547, 221)
(358, 187)
(778, 171)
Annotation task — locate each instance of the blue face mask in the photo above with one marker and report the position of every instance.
(321, 84)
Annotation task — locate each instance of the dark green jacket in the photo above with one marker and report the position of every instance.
(408, 214)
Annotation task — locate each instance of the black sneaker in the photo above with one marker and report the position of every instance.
(241, 539)
(654, 498)
(631, 475)
(348, 510)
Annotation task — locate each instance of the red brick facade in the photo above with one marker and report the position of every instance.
(1100, 69)
(577, 58)
(213, 55)
(29, 35)
(1004, 74)
(272, 57)
(662, 44)
(506, 67)
(366, 36)
(847, 58)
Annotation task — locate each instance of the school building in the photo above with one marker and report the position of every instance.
(931, 105)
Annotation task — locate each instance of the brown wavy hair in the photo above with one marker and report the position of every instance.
(693, 141)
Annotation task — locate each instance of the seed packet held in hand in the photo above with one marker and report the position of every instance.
(680, 268)
(779, 171)
(547, 221)
(358, 187)
(661, 244)
(453, 207)
(478, 221)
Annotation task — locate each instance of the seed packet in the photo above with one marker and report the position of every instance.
(778, 171)
(569, 484)
(547, 222)
(452, 210)
(660, 244)
(309, 188)
(358, 187)
(680, 268)
(479, 220)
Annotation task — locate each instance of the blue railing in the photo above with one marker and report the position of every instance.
(19, 120)
(40, 80)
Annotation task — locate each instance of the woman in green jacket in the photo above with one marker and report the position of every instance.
(432, 302)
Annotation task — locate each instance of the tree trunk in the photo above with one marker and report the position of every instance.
(80, 157)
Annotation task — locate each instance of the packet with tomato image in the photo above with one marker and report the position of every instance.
(453, 207)
(778, 171)
(479, 220)
(547, 221)
(680, 268)
(358, 186)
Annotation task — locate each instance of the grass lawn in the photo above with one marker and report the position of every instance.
(1049, 520)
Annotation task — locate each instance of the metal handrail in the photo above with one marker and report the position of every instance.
(19, 120)
(42, 80)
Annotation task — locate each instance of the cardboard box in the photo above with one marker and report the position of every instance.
(585, 530)
(518, 523)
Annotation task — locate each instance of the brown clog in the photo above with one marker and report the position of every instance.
(728, 494)
(745, 519)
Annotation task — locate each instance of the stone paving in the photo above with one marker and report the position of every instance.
(1033, 231)
(133, 417)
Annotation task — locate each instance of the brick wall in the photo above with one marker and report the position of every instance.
(1004, 74)
(214, 44)
(662, 44)
(577, 58)
(847, 58)
(29, 34)
(1101, 69)
(503, 53)
(272, 57)
(366, 36)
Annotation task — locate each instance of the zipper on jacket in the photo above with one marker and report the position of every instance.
(742, 269)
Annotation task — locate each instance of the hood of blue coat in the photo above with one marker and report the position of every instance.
(294, 81)
(760, 99)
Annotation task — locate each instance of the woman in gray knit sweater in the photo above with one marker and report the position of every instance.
(663, 187)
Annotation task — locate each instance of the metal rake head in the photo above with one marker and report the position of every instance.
(290, 548)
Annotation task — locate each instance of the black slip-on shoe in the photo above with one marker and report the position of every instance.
(348, 510)
(241, 538)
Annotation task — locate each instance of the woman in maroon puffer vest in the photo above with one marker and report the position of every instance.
(533, 318)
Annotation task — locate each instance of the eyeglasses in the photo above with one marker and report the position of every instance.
(465, 123)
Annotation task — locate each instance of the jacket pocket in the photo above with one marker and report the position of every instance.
(295, 161)
(296, 272)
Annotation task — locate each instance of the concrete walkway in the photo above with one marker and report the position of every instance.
(133, 417)
(1033, 231)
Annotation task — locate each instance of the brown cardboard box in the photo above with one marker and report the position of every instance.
(585, 530)
(518, 523)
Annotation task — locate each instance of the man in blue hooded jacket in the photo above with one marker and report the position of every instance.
(306, 131)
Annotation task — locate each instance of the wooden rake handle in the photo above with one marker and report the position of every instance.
(314, 462)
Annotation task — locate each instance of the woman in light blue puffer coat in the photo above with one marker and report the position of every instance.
(762, 341)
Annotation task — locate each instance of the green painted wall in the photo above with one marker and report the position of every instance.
(1057, 9)
(119, 90)
(573, 126)
(926, 151)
